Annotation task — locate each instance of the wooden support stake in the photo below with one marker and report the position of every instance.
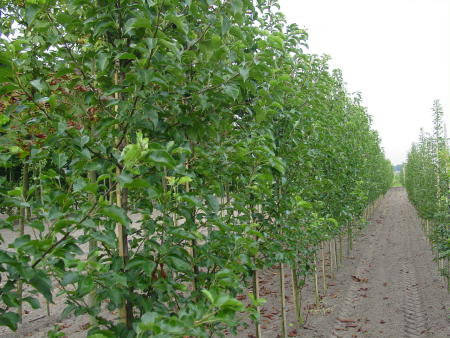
(91, 299)
(256, 296)
(125, 311)
(324, 273)
(330, 250)
(283, 302)
(336, 254)
(316, 281)
(23, 218)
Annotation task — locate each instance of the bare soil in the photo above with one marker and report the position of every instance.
(388, 286)
(399, 292)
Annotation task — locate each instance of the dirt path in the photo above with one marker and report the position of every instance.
(389, 287)
(392, 288)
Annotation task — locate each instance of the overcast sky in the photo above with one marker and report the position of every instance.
(396, 52)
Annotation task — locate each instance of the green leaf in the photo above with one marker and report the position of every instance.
(102, 61)
(126, 56)
(260, 115)
(236, 6)
(15, 150)
(38, 84)
(131, 154)
(9, 319)
(178, 264)
(148, 321)
(277, 163)
(91, 188)
(70, 277)
(232, 91)
(5, 67)
(184, 180)
(177, 21)
(17, 191)
(21, 241)
(3, 120)
(34, 303)
(192, 200)
(275, 41)
(151, 43)
(232, 304)
(137, 183)
(153, 116)
(30, 13)
(161, 157)
(139, 22)
(244, 73)
(60, 159)
(84, 140)
(42, 284)
(213, 202)
(208, 295)
(136, 263)
(68, 310)
(103, 177)
(117, 214)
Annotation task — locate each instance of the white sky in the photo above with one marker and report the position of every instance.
(396, 52)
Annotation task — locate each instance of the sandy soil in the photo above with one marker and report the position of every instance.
(388, 286)
(397, 291)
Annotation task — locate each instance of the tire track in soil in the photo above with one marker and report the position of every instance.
(397, 292)
(346, 312)
(413, 310)
(344, 321)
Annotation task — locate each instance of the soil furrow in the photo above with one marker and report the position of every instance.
(400, 292)
(415, 316)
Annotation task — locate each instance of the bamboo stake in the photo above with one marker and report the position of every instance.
(111, 191)
(330, 249)
(92, 247)
(41, 199)
(283, 302)
(448, 274)
(324, 273)
(125, 312)
(256, 296)
(122, 245)
(349, 240)
(256, 288)
(193, 247)
(336, 254)
(22, 219)
(281, 268)
(316, 282)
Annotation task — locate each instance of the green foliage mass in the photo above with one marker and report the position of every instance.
(232, 147)
(427, 182)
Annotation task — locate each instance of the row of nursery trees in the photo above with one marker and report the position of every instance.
(427, 181)
(156, 155)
